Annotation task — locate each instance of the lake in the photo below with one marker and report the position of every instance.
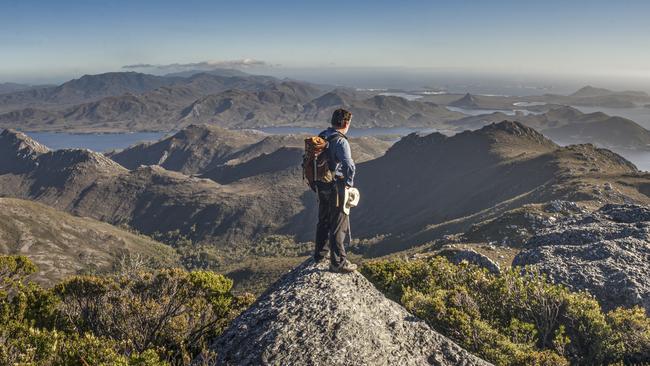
(101, 142)
(478, 112)
(406, 96)
(353, 132)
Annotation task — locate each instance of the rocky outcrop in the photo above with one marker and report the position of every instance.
(606, 252)
(609, 223)
(314, 317)
(563, 207)
(458, 256)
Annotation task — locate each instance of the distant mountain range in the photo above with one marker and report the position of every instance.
(611, 132)
(594, 97)
(590, 91)
(590, 96)
(132, 101)
(15, 87)
(84, 89)
(129, 101)
(587, 96)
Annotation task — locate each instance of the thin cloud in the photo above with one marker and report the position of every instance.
(203, 65)
(138, 66)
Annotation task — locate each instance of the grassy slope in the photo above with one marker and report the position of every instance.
(61, 244)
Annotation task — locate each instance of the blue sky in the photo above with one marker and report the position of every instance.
(42, 40)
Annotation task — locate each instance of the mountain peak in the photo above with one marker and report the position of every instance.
(564, 113)
(515, 131)
(336, 97)
(189, 150)
(590, 91)
(93, 87)
(511, 127)
(19, 152)
(467, 101)
(21, 142)
(505, 139)
(80, 160)
(312, 316)
(414, 142)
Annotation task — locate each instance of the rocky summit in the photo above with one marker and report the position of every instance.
(315, 317)
(606, 252)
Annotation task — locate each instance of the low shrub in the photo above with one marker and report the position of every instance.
(516, 318)
(145, 317)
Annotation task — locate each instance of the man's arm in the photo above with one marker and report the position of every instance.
(344, 155)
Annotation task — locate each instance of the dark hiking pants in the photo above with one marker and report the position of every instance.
(333, 223)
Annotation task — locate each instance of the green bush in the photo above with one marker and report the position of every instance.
(280, 245)
(24, 345)
(141, 317)
(516, 318)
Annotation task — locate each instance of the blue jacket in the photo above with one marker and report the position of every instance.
(340, 156)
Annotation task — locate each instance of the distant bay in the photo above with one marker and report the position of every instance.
(478, 112)
(104, 142)
(101, 142)
(353, 132)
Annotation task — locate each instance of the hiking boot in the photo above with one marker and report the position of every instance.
(345, 267)
(319, 257)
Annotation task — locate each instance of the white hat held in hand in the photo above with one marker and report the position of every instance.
(351, 199)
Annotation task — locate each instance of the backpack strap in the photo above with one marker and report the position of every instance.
(336, 134)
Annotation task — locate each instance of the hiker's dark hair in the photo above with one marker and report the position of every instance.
(340, 116)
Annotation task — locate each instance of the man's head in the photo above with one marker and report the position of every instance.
(341, 119)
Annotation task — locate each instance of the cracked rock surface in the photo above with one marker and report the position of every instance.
(314, 317)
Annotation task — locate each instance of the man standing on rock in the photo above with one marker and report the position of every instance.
(333, 222)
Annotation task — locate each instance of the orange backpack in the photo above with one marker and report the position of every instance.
(315, 164)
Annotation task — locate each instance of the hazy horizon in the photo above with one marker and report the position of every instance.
(581, 42)
(455, 81)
